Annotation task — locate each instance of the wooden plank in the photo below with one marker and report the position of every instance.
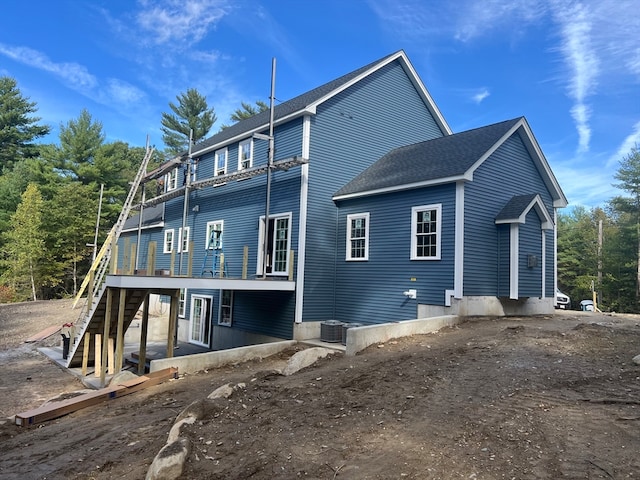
(64, 407)
(46, 333)
(85, 353)
(120, 330)
(97, 361)
(143, 335)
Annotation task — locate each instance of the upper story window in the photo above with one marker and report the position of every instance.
(168, 241)
(220, 162)
(172, 180)
(184, 235)
(245, 154)
(358, 237)
(426, 222)
(214, 235)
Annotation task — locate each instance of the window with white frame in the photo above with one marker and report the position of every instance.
(278, 244)
(182, 302)
(168, 241)
(245, 154)
(214, 235)
(226, 308)
(358, 237)
(184, 235)
(426, 222)
(172, 179)
(220, 162)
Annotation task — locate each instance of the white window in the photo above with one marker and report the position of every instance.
(220, 162)
(358, 237)
(182, 302)
(245, 154)
(200, 321)
(278, 244)
(172, 180)
(184, 235)
(426, 222)
(214, 235)
(168, 241)
(226, 308)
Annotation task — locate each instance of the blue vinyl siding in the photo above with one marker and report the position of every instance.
(509, 171)
(349, 133)
(267, 313)
(530, 278)
(550, 286)
(371, 291)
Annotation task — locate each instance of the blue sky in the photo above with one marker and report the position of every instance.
(571, 68)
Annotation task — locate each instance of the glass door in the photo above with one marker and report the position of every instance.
(200, 322)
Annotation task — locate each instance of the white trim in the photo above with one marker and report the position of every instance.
(400, 188)
(458, 261)
(184, 301)
(544, 263)
(183, 242)
(514, 253)
(546, 224)
(438, 233)
(349, 239)
(555, 255)
(220, 322)
(240, 160)
(262, 231)
(193, 298)
(207, 234)
(171, 181)
(216, 155)
(302, 227)
(173, 240)
(146, 227)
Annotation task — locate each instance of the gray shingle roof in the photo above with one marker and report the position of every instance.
(150, 216)
(515, 207)
(284, 109)
(429, 161)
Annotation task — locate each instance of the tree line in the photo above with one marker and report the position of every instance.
(49, 193)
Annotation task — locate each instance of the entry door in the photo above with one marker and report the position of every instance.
(278, 244)
(200, 322)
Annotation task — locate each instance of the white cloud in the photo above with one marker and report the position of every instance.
(123, 92)
(182, 21)
(631, 141)
(480, 96)
(74, 75)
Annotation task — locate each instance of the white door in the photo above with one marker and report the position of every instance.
(200, 321)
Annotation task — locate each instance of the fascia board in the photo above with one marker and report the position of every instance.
(399, 188)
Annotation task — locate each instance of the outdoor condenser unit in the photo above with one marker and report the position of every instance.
(331, 331)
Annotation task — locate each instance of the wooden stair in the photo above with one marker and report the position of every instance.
(96, 320)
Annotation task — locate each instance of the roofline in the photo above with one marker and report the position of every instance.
(531, 144)
(536, 203)
(399, 188)
(144, 227)
(415, 79)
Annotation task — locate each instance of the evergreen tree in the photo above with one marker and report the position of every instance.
(246, 111)
(80, 140)
(25, 251)
(191, 114)
(17, 128)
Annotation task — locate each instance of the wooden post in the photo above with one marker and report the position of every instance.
(114, 256)
(110, 359)
(85, 353)
(97, 354)
(132, 259)
(126, 259)
(105, 337)
(120, 331)
(142, 354)
(190, 260)
(151, 259)
(221, 265)
(245, 261)
(173, 322)
(172, 266)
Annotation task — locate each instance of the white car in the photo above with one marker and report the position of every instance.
(562, 301)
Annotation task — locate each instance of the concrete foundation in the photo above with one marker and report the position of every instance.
(203, 361)
(490, 306)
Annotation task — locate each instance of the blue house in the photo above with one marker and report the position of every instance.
(376, 212)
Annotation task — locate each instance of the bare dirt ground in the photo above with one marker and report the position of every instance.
(517, 398)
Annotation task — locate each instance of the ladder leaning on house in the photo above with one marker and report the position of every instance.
(95, 277)
(217, 255)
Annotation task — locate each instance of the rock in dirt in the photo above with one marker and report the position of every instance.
(169, 462)
(304, 359)
(122, 377)
(636, 360)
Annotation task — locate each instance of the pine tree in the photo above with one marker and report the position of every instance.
(192, 114)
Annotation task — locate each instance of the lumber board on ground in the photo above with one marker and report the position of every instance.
(46, 333)
(64, 407)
